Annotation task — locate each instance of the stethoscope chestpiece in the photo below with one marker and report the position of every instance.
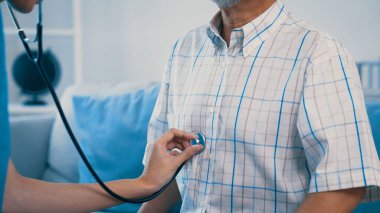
(200, 140)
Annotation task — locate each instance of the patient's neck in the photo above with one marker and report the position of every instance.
(241, 14)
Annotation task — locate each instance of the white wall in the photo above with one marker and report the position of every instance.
(356, 23)
(130, 39)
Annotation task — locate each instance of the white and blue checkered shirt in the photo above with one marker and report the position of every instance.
(282, 111)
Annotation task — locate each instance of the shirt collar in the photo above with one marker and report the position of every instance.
(256, 31)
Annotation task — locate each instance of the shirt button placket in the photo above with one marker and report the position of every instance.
(206, 156)
(223, 64)
(214, 112)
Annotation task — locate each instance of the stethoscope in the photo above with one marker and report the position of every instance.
(37, 62)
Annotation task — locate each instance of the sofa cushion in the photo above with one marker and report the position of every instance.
(29, 143)
(112, 131)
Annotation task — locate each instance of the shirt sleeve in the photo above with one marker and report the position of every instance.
(158, 123)
(334, 127)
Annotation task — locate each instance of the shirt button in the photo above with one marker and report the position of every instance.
(211, 109)
(223, 64)
(206, 156)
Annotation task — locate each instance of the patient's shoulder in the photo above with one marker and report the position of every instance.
(322, 45)
(192, 40)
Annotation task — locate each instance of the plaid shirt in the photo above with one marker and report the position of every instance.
(282, 111)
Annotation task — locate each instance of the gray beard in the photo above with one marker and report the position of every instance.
(226, 3)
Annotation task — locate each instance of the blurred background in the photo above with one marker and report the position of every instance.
(97, 40)
(112, 47)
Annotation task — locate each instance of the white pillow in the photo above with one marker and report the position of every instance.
(62, 158)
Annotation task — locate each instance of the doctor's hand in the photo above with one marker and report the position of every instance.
(163, 163)
(20, 191)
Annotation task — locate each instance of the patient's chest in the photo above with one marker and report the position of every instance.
(237, 99)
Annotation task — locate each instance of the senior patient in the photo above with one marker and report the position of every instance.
(282, 109)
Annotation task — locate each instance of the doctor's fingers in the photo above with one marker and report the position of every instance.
(188, 153)
(173, 145)
(175, 136)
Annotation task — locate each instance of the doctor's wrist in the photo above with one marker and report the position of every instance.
(146, 186)
(132, 188)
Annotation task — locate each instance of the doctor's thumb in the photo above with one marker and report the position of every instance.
(189, 152)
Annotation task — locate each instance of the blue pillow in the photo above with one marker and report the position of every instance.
(373, 109)
(112, 131)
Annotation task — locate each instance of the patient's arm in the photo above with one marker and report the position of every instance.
(164, 202)
(333, 201)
